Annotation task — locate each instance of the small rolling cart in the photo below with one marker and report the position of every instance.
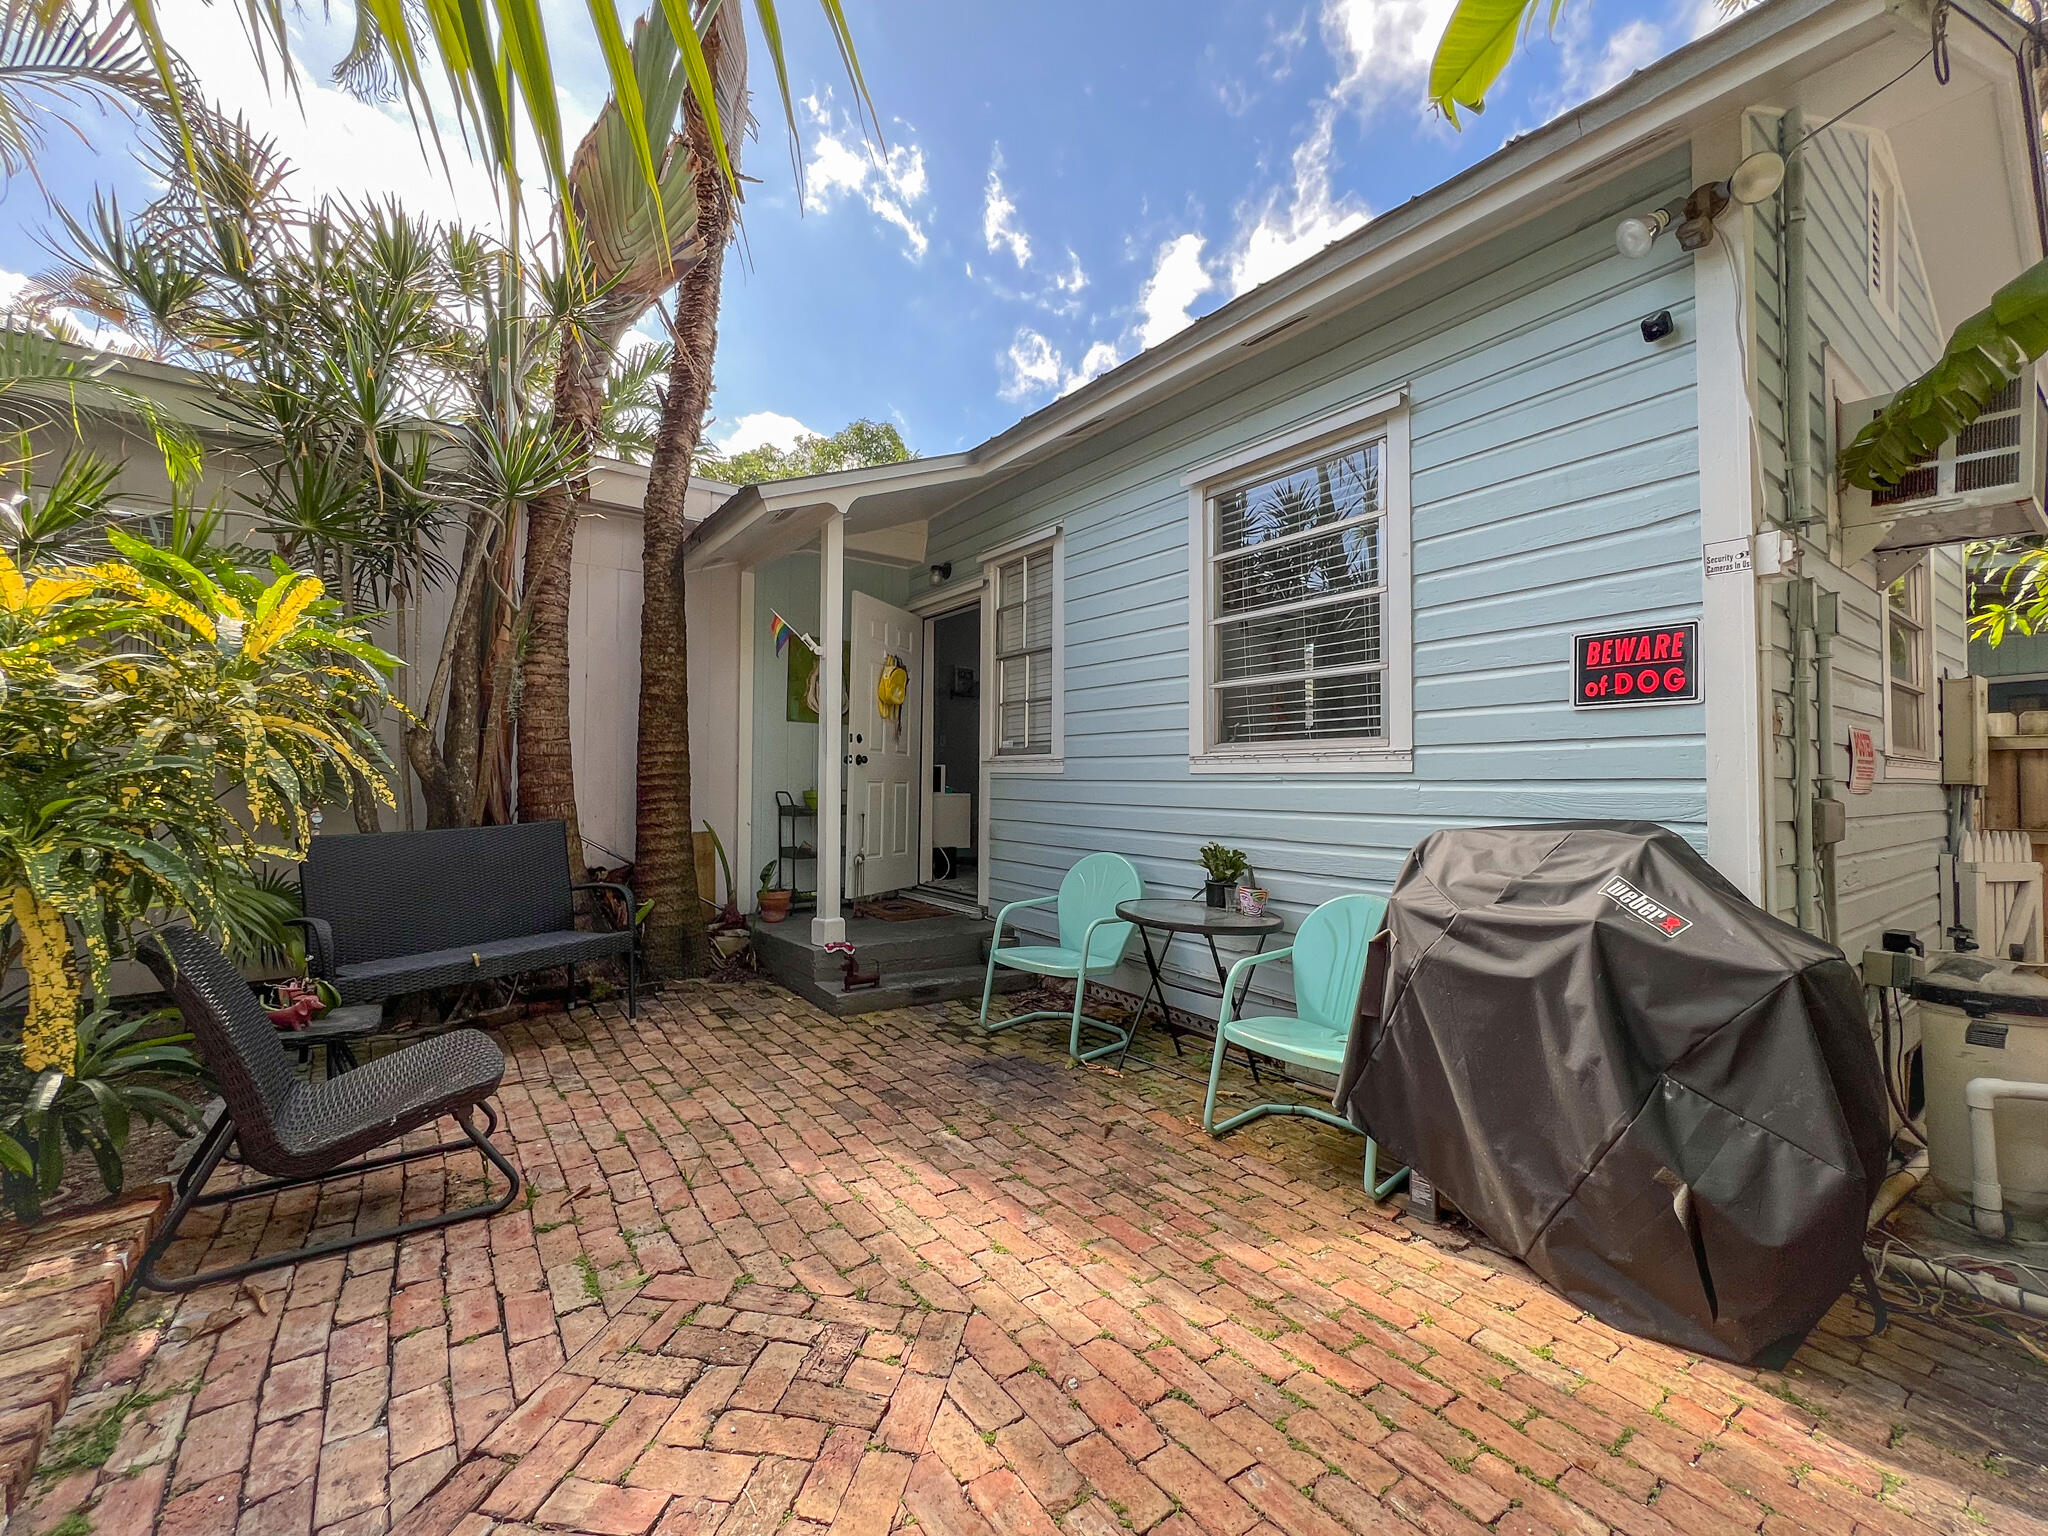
(793, 847)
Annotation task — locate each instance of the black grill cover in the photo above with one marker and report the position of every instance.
(1621, 1070)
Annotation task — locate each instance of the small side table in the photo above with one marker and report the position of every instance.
(336, 1032)
(1168, 917)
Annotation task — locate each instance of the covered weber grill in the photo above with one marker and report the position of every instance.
(1622, 1071)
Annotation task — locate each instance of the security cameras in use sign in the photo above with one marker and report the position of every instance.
(1653, 664)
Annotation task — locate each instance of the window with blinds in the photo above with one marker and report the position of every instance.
(1296, 593)
(1024, 653)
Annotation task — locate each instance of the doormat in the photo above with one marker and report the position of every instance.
(897, 909)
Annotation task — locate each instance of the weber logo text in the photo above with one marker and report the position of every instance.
(1650, 910)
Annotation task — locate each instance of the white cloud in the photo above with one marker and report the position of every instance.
(1178, 279)
(1095, 362)
(999, 226)
(758, 429)
(1032, 367)
(1073, 280)
(1382, 47)
(1589, 64)
(1280, 237)
(1283, 47)
(842, 163)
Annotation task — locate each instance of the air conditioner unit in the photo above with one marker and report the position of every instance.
(1987, 482)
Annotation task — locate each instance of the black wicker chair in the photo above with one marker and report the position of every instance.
(303, 1133)
(389, 913)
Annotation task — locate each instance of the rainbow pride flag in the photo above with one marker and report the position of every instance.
(783, 631)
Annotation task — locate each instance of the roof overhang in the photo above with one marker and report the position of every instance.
(1768, 53)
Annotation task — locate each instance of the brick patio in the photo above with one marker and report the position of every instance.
(780, 1271)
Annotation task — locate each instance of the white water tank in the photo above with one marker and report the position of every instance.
(1988, 1018)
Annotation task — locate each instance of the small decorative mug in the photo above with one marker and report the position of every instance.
(1251, 900)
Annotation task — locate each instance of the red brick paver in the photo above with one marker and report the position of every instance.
(784, 1272)
(59, 1281)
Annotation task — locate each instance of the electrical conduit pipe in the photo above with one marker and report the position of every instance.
(1987, 1199)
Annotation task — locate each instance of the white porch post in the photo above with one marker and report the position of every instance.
(828, 924)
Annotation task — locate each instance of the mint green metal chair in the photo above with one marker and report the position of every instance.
(1092, 940)
(1329, 955)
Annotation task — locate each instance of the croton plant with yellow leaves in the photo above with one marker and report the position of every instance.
(162, 729)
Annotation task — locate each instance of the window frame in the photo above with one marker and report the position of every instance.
(1924, 762)
(1384, 419)
(994, 759)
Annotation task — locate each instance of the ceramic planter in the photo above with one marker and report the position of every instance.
(1251, 900)
(775, 905)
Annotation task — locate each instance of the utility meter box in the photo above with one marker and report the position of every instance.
(1965, 742)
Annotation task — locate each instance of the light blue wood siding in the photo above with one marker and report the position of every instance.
(1554, 489)
(1886, 868)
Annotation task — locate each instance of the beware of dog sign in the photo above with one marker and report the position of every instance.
(1619, 668)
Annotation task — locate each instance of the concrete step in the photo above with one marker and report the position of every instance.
(926, 944)
(902, 989)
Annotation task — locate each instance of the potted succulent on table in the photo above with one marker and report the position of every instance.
(1225, 867)
(774, 902)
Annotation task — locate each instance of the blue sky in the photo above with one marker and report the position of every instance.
(1059, 185)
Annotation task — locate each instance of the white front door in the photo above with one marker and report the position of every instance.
(883, 792)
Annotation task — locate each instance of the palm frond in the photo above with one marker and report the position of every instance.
(632, 401)
(59, 55)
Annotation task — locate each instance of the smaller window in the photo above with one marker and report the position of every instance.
(1026, 652)
(1883, 224)
(1909, 666)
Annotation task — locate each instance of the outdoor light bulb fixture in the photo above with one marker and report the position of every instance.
(1751, 182)
(1757, 177)
(1634, 235)
(942, 572)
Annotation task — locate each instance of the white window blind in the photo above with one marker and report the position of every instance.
(1296, 598)
(1024, 653)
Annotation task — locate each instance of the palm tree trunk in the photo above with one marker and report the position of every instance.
(665, 864)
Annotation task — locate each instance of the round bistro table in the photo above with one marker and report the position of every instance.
(1170, 917)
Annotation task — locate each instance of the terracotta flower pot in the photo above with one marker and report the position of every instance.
(775, 905)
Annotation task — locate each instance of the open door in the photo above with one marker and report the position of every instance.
(883, 720)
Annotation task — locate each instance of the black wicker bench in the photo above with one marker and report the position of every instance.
(389, 913)
(302, 1133)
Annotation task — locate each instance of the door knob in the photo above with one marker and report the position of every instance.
(860, 758)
